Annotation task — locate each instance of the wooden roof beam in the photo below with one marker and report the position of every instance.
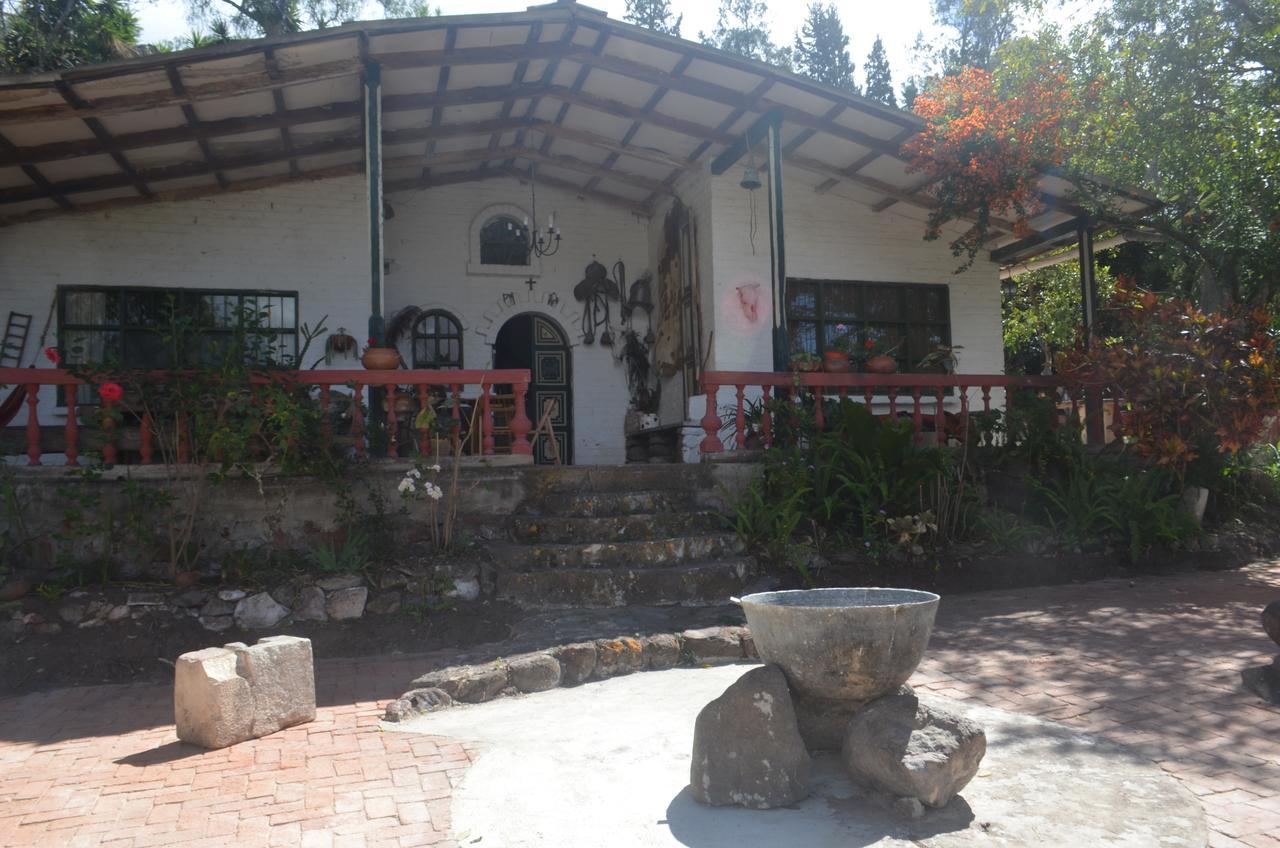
(865, 160)
(603, 196)
(442, 85)
(189, 115)
(548, 75)
(522, 68)
(277, 97)
(32, 173)
(100, 133)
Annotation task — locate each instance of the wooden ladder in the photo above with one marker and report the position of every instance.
(15, 339)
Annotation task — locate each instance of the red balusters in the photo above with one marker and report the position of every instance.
(357, 418)
(145, 431)
(72, 449)
(456, 391)
(818, 417)
(520, 423)
(393, 426)
(326, 419)
(424, 435)
(766, 418)
(711, 421)
(964, 413)
(33, 424)
(180, 437)
(916, 416)
(939, 418)
(741, 436)
(109, 452)
(486, 423)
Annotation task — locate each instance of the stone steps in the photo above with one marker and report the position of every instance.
(554, 529)
(690, 584)
(646, 554)
(610, 504)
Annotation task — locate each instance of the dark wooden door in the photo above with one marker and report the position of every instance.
(537, 343)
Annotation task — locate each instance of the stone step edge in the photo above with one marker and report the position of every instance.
(570, 665)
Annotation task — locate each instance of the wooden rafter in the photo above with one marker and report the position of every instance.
(32, 173)
(579, 81)
(517, 77)
(865, 160)
(442, 85)
(548, 74)
(603, 196)
(100, 133)
(277, 98)
(189, 115)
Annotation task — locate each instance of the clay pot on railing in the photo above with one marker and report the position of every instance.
(881, 364)
(380, 359)
(835, 362)
(404, 404)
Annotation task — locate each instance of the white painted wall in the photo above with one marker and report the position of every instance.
(432, 238)
(309, 236)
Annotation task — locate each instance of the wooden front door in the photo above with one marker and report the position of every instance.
(536, 342)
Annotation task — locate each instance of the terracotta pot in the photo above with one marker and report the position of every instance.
(881, 364)
(381, 359)
(404, 404)
(835, 362)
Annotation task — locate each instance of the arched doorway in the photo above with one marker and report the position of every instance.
(536, 342)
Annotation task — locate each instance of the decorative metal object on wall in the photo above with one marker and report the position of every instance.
(509, 298)
(594, 293)
(553, 299)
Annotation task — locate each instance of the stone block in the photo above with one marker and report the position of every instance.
(281, 676)
(661, 651)
(418, 702)
(470, 684)
(713, 645)
(534, 672)
(577, 662)
(900, 745)
(747, 750)
(615, 657)
(310, 605)
(345, 604)
(258, 611)
(212, 703)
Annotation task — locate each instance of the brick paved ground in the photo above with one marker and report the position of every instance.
(1153, 664)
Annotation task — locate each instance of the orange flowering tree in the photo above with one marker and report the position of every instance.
(983, 148)
(1189, 381)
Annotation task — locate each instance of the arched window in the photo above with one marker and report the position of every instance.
(437, 341)
(504, 241)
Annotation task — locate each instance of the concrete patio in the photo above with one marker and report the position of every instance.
(1152, 663)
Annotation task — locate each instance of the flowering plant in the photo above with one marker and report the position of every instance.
(415, 487)
(51, 354)
(843, 339)
(881, 346)
(110, 392)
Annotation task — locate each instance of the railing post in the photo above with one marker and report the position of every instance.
(711, 422)
(424, 436)
(180, 434)
(33, 424)
(520, 423)
(741, 437)
(144, 439)
(766, 418)
(393, 426)
(72, 449)
(939, 419)
(486, 423)
(109, 453)
(457, 415)
(357, 418)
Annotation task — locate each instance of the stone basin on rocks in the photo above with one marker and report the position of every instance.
(842, 644)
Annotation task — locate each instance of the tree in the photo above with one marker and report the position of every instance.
(910, 91)
(822, 48)
(742, 28)
(653, 14)
(1042, 314)
(980, 27)
(879, 79)
(48, 35)
(256, 18)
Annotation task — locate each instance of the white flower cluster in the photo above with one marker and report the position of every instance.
(412, 479)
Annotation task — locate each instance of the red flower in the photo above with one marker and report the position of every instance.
(51, 354)
(868, 344)
(111, 392)
(372, 341)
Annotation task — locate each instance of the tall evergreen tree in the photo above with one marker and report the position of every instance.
(48, 35)
(980, 27)
(742, 28)
(653, 14)
(910, 91)
(879, 79)
(822, 48)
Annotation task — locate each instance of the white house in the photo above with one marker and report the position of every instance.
(351, 172)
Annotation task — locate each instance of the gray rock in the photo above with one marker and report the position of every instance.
(146, 599)
(577, 662)
(1263, 681)
(345, 604)
(823, 722)
(281, 675)
(661, 651)
(217, 607)
(190, 598)
(384, 603)
(616, 657)
(534, 672)
(746, 748)
(286, 594)
(418, 702)
(713, 645)
(902, 746)
(310, 605)
(232, 595)
(470, 684)
(465, 589)
(1271, 621)
(47, 628)
(71, 613)
(259, 611)
(118, 613)
(341, 581)
(216, 623)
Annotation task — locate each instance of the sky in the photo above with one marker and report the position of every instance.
(896, 21)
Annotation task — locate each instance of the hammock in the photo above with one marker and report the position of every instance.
(9, 406)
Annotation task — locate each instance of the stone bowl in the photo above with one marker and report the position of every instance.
(842, 644)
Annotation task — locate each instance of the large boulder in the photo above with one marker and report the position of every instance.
(212, 704)
(713, 645)
(577, 662)
(258, 611)
(746, 748)
(1263, 681)
(1271, 621)
(900, 745)
(281, 675)
(822, 721)
(470, 684)
(534, 672)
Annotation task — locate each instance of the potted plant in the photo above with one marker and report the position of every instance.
(380, 357)
(944, 355)
(835, 359)
(877, 356)
(805, 361)
(339, 344)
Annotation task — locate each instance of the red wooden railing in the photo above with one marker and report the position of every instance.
(924, 398)
(453, 384)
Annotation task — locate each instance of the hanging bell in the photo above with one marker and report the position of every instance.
(649, 337)
(588, 338)
(750, 178)
(606, 338)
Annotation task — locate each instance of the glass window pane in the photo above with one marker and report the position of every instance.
(85, 308)
(836, 331)
(840, 301)
(802, 299)
(804, 337)
(883, 303)
(504, 241)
